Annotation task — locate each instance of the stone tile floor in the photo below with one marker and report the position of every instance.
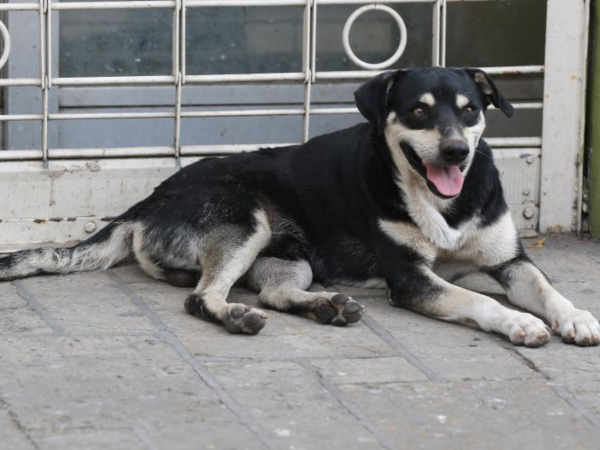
(110, 360)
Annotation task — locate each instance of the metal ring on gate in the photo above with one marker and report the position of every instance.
(6, 39)
(346, 37)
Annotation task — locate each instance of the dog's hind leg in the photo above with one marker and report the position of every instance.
(226, 255)
(282, 286)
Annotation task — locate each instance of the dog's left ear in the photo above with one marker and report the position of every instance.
(490, 91)
(372, 98)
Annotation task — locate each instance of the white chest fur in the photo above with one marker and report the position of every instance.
(482, 246)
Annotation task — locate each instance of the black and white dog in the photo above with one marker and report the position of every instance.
(409, 201)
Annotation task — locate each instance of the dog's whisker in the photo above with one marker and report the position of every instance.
(481, 153)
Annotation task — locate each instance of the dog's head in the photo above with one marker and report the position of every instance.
(432, 120)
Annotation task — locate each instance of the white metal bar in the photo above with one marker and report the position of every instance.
(244, 113)
(48, 27)
(365, 74)
(19, 6)
(201, 150)
(109, 152)
(110, 116)
(323, 111)
(45, 67)
(512, 152)
(313, 42)
(113, 81)
(502, 144)
(183, 40)
(35, 82)
(20, 117)
(21, 155)
(435, 34)
(514, 70)
(171, 115)
(245, 78)
(221, 113)
(177, 38)
(443, 35)
(152, 4)
(514, 142)
(45, 122)
(307, 68)
(243, 3)
(524, 105)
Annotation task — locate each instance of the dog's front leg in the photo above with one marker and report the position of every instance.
(407, 268)
(424, 292)
(527, 287)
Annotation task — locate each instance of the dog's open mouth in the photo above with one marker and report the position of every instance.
(444, 181)
(448, 180)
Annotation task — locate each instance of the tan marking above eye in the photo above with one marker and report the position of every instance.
(462, 101)
(427, 99)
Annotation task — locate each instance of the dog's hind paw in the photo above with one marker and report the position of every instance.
(240, 318)
(339, 311)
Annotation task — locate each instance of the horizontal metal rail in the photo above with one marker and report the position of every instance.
(236, 78)
(223, 113)
(505, 142)
(151, 4)
(202, 150)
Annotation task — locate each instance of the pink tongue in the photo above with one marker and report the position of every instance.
(447, 180)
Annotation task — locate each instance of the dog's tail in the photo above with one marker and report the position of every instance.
(103, 250)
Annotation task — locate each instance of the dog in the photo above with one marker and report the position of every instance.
(410, 201)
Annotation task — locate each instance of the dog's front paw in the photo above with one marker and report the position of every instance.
(240, 318)
(528, 330)
(577, 326)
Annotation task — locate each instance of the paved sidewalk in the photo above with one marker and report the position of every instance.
(110, 360)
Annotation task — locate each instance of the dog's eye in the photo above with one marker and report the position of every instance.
(418, 111)
(469, 109)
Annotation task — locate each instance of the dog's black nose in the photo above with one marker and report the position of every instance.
(454, 151)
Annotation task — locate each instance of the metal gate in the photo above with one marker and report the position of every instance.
(53, 187)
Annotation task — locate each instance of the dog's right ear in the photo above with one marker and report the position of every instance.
(372, 99)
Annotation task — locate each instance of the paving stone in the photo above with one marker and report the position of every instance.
(285, 335)
(292, 406)
(11, 437)
(575, 368)
(566, 263)
(206, 436)
(100, 439)
(584, 295)
(369, 370)
(54, 383)
(87, 302)
(130, 272)
(16, 316)
(477, 415)
(453, 351)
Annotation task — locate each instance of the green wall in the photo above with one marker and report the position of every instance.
(593, 125)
